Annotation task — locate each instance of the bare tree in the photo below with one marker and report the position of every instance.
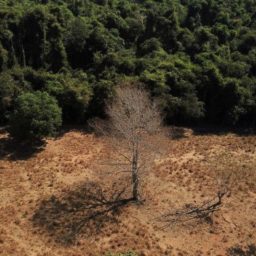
(134, 120)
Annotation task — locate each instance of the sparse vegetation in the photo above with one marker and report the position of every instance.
(226, 166)
(52, 189)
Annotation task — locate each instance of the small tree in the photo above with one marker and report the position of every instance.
(36, 115)
(134, 119)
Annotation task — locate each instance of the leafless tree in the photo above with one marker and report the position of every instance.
(134, 120)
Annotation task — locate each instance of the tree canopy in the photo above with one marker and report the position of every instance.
(197, 56)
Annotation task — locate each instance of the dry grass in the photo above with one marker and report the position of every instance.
(187, 175)
(235, 170)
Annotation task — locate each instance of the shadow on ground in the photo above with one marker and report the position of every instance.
(15, 150)
(84, 129)
(177, 133)
(250, 250)
(219, 130)
(84, 211)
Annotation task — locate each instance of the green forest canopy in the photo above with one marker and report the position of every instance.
(197, 56)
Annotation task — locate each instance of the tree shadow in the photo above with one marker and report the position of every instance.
(83, 129)
(237, 250)
(177, 133)
(12, 149)
(84, 211)
(223, 130)
(16, 150)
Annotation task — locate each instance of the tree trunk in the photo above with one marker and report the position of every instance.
(13, 54)
(135, 178)
(23, 55)
(43, 54)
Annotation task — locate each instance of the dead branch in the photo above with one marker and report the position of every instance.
(191, 212)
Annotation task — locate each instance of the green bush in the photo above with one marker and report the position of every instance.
(36, 115)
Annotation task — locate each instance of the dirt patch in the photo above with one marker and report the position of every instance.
(38, 183)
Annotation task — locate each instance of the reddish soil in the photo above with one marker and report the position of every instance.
(186, 175)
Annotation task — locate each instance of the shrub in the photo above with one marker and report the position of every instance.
(36, 115)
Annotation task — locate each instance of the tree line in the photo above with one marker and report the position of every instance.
(198, 57)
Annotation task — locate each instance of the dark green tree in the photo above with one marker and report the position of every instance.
(36, 115)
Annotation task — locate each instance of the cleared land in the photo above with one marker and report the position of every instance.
(49, 198)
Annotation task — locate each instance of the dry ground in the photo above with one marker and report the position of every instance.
(42, 198)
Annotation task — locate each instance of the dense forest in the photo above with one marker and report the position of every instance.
(197, 56)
